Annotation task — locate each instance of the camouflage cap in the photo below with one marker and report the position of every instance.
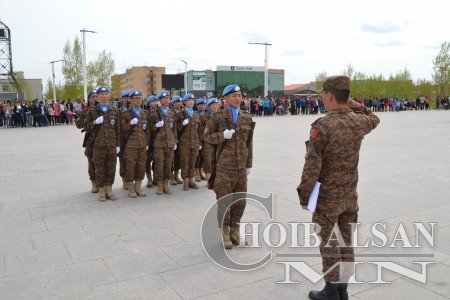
(337, 83)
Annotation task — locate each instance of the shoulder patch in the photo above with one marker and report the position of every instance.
(314, 133)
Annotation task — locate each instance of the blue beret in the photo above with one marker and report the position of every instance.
(211, 101)
(188, 96)
(124, 94)
(175, 99)
(162, 94)
(230, 89)
(135, 93)
(92, 92)
(151, 99)
(200, 101)
(102, 89)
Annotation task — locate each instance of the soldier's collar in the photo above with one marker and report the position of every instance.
(339, 110)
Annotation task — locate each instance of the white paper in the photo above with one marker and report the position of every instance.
(312, 201)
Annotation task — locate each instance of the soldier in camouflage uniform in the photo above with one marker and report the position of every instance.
(80, 123)
(176, 106)
(332, 159)
(164, 129)
(233, 165)
(208, 149)
(189, 142)
(201, 106)
(104, 122)
(152, 105)
(136, 135)
(123, 107)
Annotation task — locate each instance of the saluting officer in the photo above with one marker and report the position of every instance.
(332, 159)
(104, 122)
(207, 151)
(136, 135)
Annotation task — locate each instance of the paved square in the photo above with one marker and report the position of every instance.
(57, 241)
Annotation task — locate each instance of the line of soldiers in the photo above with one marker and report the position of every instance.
(158, 139)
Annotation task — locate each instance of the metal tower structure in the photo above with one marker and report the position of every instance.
(6, 65)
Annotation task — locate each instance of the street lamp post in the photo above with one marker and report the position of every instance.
(53, 75)
(266, 66)
(84, 62)
(185, 77)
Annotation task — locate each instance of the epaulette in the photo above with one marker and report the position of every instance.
(314, 123)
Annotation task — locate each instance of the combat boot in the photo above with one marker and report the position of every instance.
(186, 184)
(197, 175)
(202, 175)
(154, 182)
(131, 191)
(192, 184)
(138, 190)
(172, 179)
(178, 179)
(124, 184)
(160, 190)
(342, 288)
(102, 194)
(234, 235)
(109, 193)
(166, 188)
(329, 292)
(149, 180)
(94, 188)
(226, 238)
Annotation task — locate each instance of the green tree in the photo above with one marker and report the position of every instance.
(25, 87)
(320, 78)
(349, 71)
(115, 86)
(441, 69)
(48, 95)
(101, 70)
(72, 69)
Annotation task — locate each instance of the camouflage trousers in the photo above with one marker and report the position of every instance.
(341, 214)
(176, 160)
(188, 157)
(226, 183)
(91, 168)
(105, 160)
(149, 163)
(135, 160)
(163, 160)
(122, 166)
(207, 153)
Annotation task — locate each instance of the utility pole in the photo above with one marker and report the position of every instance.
(185, 77)
(266, 66)
(53, 75)
(84, 62)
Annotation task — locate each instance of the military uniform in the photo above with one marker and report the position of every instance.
(87, 143)
(189, 144)
(164, 144)
(123, 108)
(149, 164)
(233, 164)
(207, 151)
(135, 145)
(105, 144)
(332, 159)
(199, 175)
(176, 154)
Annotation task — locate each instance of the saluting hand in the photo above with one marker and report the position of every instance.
(99, 120)
(185, 122)
(160, 124)
(134, 121)
(228, 134)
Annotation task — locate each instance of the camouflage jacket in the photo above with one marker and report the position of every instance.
(165, 136)
(188, 134)
(332, 155)
(109, 133)
(238, 151)
(141, 132)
